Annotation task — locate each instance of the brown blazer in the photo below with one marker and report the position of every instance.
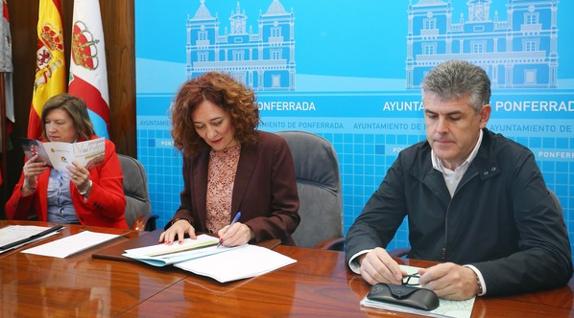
(265, 190)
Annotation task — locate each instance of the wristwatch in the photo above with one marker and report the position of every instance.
(84, 193)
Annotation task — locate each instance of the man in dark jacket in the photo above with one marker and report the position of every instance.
(476, 201)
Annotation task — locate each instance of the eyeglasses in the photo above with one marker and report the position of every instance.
(411, 280)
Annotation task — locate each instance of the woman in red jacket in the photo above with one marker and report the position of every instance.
(78, 194)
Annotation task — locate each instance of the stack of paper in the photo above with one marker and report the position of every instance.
(244, 261)
(163, 254)
(11, 234)
(201, 256)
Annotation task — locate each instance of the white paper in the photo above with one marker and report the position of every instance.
(238, 263)
(446, 308)
(71, 244)
(61, 154)
(13, 233)
(163, 254)
(163, 249)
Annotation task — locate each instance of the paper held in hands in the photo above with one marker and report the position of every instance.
(61, 154)
(202, 256)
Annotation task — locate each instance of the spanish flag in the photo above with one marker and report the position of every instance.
(50, 77)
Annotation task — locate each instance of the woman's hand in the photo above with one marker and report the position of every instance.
(235, 234)
(31, 170)
(179, 228)
(80, 177)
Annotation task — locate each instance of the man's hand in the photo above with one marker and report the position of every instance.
(450, 281)
(179, 228)
(377, 266)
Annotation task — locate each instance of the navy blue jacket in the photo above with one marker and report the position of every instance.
(501, 219)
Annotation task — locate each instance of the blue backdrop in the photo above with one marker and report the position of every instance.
(351, 72)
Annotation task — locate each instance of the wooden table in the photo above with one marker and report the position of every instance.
(318, 285)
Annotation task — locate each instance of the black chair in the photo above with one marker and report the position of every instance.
(319, 189)
(138, 206)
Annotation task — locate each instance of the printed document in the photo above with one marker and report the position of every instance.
(71, 244)
(165, 254)
(241, 262)
(446, 308)
(61, 154)
(13, 233)
(203, 256)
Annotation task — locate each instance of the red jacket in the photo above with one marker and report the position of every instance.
(104, 206)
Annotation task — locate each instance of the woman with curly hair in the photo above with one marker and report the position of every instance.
(230, 168)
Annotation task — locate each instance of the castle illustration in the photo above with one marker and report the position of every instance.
(521, 52)
(263, 59)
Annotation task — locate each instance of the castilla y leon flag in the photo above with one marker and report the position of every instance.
(88, 73)
(6, 69)
(50, 76)
(6, 61)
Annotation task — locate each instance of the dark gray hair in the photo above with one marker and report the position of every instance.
(455, 79)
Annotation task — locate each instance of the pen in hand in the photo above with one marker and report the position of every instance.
(235, 219)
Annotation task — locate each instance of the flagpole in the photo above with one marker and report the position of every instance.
(6, 67)
(3, 136)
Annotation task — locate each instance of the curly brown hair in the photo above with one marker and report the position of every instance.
(225, 92)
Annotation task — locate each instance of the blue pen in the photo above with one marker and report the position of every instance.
(235, 219)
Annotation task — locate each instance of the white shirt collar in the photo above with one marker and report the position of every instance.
(437, 163)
